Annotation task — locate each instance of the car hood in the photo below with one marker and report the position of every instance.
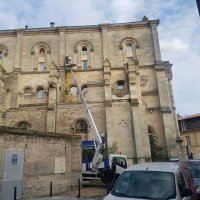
(111, 197)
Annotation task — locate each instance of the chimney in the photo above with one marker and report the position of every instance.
(52, 24)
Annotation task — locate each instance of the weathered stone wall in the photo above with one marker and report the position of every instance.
(39, 162)
(124, 116)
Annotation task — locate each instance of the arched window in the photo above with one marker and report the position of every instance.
(81, 126)
(84, 90)
(129, 46)
(27, 91)
(84, 58)
(40, 93)
(73, 91)
(23, 125)
(41, 60)
(83, 54)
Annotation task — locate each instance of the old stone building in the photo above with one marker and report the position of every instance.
(189, 127)
(119, 69)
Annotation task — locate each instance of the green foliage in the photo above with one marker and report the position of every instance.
(110, 150)
(156, 149)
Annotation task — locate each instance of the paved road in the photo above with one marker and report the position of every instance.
(87, 193)
(69, 198)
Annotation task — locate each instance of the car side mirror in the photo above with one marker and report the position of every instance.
(186, 192)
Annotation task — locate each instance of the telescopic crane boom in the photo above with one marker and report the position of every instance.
(98, 157)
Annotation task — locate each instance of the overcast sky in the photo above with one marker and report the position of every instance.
(179, 31)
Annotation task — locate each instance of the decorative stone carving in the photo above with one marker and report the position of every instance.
(122, 123)
(143, 81)
(4, 49)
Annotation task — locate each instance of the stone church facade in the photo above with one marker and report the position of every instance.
(117, 66)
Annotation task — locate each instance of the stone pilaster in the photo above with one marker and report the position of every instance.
(104, 28)
(52, 99)
(154, 25)
(62, 46)
(2, 95)
(166, 105)
(108, 99)
(138, 114)
(18, 50)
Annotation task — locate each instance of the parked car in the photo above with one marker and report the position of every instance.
(156, 180)
(194, 167)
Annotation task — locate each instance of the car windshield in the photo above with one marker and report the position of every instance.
(194, 169)
(145, 185)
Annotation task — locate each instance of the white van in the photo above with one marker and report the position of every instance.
(156, 180)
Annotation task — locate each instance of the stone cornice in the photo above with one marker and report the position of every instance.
(166, 109)
(95, 83)
(149, 93)
(148, 66)
(153, 109)
(21, 132)
(88, 70)
(35, 72)
(53, 30)
(33, 105)
(164, 66)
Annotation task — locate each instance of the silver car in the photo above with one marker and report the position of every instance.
(156, 180)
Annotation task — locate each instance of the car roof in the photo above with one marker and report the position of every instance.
(192, 161)
(155, 166)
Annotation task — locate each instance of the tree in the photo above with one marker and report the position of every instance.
(156, 149)
(110, 150)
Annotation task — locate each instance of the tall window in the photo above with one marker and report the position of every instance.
(40, 55)
(40, 93)
(129, 50)
(81, 126)
(129, 46)
(84, 58)
(41, 60)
